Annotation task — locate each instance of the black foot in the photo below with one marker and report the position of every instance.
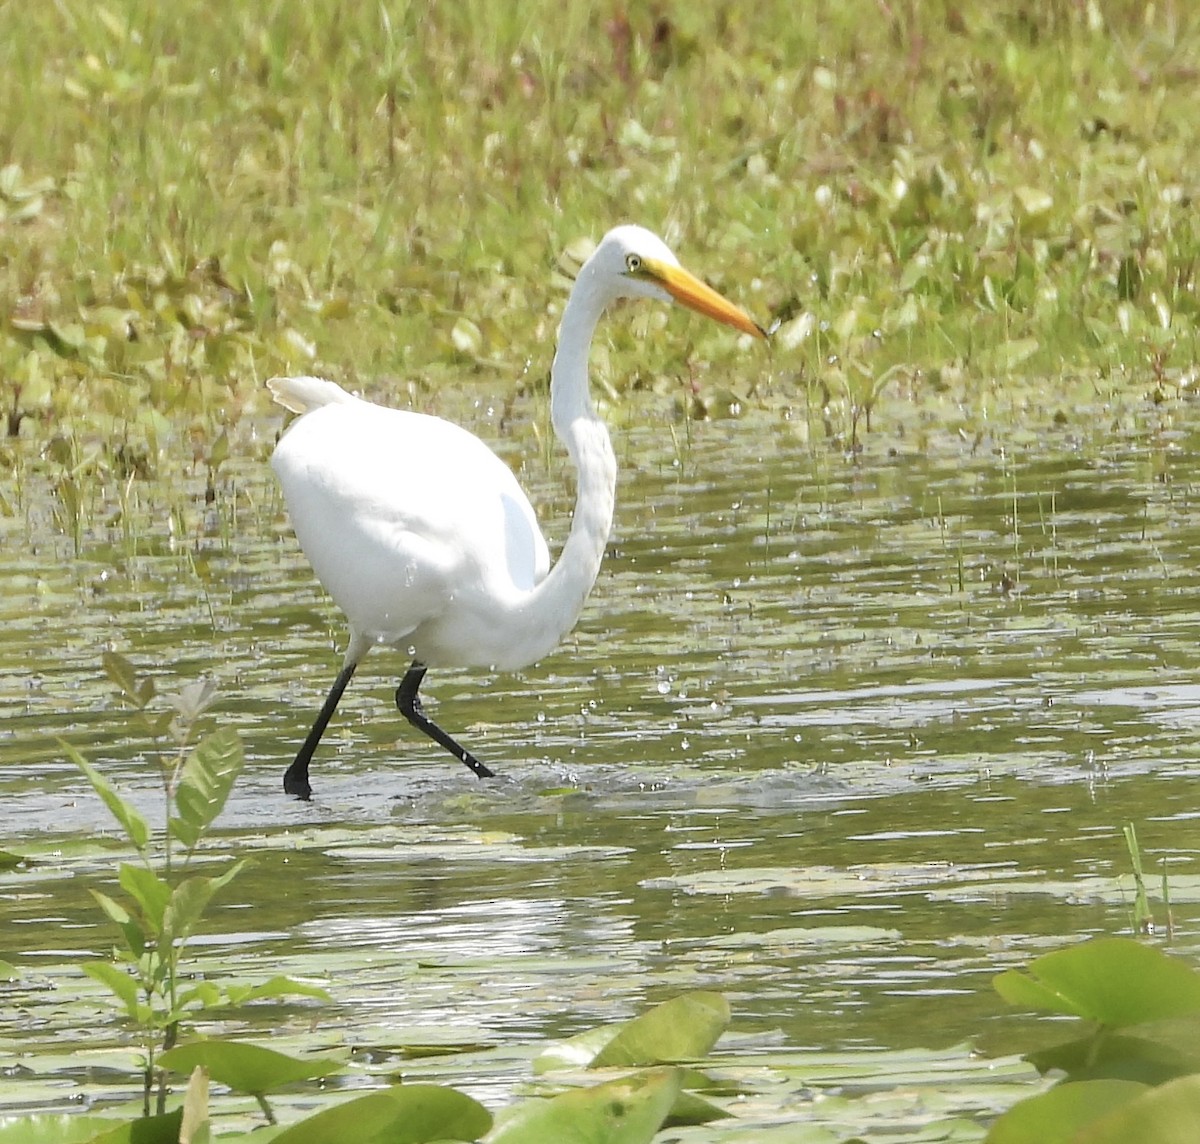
(296, 783)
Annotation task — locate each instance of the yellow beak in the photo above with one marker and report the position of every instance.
(688, 289)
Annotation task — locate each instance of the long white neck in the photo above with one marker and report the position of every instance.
(554, 605)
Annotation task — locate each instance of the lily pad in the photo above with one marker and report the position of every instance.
(65, 1129)
(245, 1067)
(1056, 1116)
(145, 1130)
(1114, 981)
(626, 1111)
(682, 1029)
(1150, 1053)
(1168, 1114)
(403, 1114)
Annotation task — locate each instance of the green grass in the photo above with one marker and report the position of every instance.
(197, 196)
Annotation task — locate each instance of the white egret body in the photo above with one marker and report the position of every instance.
(423, 536)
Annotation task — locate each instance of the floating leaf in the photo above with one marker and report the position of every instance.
(1168, 1114)
(404, 1114)
(1056, 1116)
(246, 1067)
(147, 1130)
(575, 1052)
(626, 1111)
(682, 1029)
(691, 1109)
(275, 987)
(1150, 1053)
(1115, 981)
(65, 1129)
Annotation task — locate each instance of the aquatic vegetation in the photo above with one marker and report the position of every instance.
(976, 228)
(949, 206)
(164, 903)
(1142, 916)
(149, 980)
(1135, 1071)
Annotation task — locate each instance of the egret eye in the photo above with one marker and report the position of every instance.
(633, 263)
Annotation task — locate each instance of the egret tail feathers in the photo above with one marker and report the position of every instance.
(300, 394)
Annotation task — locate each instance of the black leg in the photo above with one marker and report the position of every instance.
(296, 780)
(410, 707)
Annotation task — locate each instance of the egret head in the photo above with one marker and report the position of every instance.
(637, 264)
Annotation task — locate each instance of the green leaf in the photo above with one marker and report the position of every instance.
(208, 777)
(682, 1029)
(203, 995)
(190, 899)
(403, 1114)
(219, 453)
(575, 1052)
(135, 689)
(1056, 1116)
(131, 821)
(1168, 1114)
(151, 892)
(691, 1109)
(193, 699)
(45, 1129)
(122, 984)
(135, 936)
(147, 1130)
(1011, 354)
(275, 987)
(114, 910)
(1150, 1053)
(245, 1067)
(626, 1111)
(1114, 981)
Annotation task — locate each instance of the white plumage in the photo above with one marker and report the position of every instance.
(423, 536)
(462, 543)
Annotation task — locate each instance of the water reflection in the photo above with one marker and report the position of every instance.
(904, 702)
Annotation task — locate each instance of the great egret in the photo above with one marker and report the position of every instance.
(423, 536)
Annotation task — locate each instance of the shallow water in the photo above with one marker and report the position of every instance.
(841, 736)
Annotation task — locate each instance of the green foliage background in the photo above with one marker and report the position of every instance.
(195, 196)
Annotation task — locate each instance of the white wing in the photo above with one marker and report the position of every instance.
(404, 517)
